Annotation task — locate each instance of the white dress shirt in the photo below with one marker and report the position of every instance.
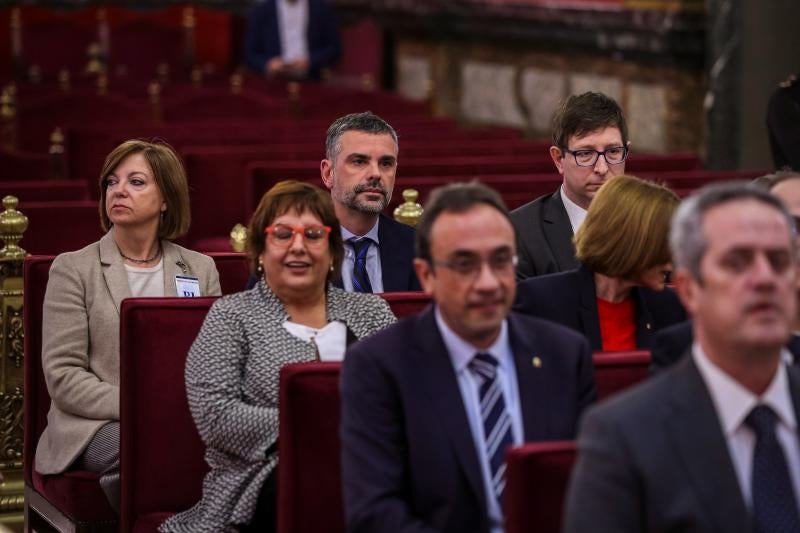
(293, 26)
(575, 212)
(733, 403)
(461, 353)
(374, 270)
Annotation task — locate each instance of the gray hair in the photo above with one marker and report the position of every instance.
(366, 122)
(769, 181)
(687, 235)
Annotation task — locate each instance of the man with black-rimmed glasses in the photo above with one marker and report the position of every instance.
(590, 145)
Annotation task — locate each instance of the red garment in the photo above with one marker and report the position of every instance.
(617, 324)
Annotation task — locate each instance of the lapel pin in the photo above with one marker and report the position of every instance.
(536, 362)
(181, 265)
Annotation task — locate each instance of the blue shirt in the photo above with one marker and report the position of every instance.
(373, 260)
(461, 353)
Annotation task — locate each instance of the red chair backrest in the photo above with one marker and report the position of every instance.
(161, 454)
(36, 271)
(56, 227)
(45, 190)
(309, 476)
(615, 371)
(406, 303)
(536, 483)
(233, 271)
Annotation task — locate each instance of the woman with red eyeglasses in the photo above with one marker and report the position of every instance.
(292, 314)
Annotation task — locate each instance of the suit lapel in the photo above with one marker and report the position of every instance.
(441, 386)
(588, 307)
(114, 270)
(696, 435)
(557, 230)
(174, 265)
(532, 382)
(392, 272)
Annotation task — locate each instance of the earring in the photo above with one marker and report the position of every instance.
(331, 268)
(260, 268)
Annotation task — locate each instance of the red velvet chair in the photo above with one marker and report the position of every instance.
(62, 226)
(233, 271)
(44, 190)
(615, 371)
(536, 483)
(162, 464)
(16, 165)
(309, 475)
(71, 501)
(406, 303)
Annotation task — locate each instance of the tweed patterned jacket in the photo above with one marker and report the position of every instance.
(232, 386)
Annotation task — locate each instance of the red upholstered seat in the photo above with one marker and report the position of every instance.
(615, 371)
(17, 166)
(309, 475)
(162, 465)
(60, 226)
(406, 303)
(536, 482)
(44, 190)
(74, 497)
(233, 271)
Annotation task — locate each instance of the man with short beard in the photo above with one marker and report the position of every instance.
(359, 169)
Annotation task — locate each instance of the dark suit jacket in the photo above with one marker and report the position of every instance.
(673, 342)
(263, 42)
(570, 298)
(544, 237)
(783, 125)
(396, 250)
(408, 457)
(654, 459)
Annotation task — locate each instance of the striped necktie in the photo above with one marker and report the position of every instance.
(360, 277)
(496, 420)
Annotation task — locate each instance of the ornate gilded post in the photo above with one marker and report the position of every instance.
(197, 77)
(409, 212)
(94, 65)
(12, 225)
(236, 83)
(57, 153)
(64, 79)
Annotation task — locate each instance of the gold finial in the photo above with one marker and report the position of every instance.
(57, 153)
(95, 63)
(188, 17)
(35, 74)
(236, 83)
(12, 225)
(239, 238)
(63, 79)
(162, 71)
(197, 76)
(367, 82)
(102, 84)
(8, 108)
(56, 139)
(409, 212)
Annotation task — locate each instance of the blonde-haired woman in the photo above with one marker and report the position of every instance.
(617, 297)
(144, 202)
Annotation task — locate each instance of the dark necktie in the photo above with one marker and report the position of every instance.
(774, 503)
(360, 277)
(496, 420)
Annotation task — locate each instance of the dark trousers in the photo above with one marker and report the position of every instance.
(265, 519)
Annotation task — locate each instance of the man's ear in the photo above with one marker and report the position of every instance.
(425, 275)
(558, 160)
(326, 172)
(686, 286)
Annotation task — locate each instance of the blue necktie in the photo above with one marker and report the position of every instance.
(360, 277)
(774, 502)
(496, 421)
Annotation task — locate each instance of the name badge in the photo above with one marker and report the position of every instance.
(187, 286)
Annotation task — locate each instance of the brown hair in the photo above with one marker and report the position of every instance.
(170, 178)
(300, 196)
(584, 113)
(626, 230)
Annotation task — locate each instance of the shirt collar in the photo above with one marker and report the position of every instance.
(372, 233)
(575, 212)
(734, 402)
(461, 352)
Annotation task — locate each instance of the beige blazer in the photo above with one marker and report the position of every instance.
(80, 341)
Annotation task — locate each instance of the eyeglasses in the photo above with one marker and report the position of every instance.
(282, 234)
(588, 158)
(469, 266)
